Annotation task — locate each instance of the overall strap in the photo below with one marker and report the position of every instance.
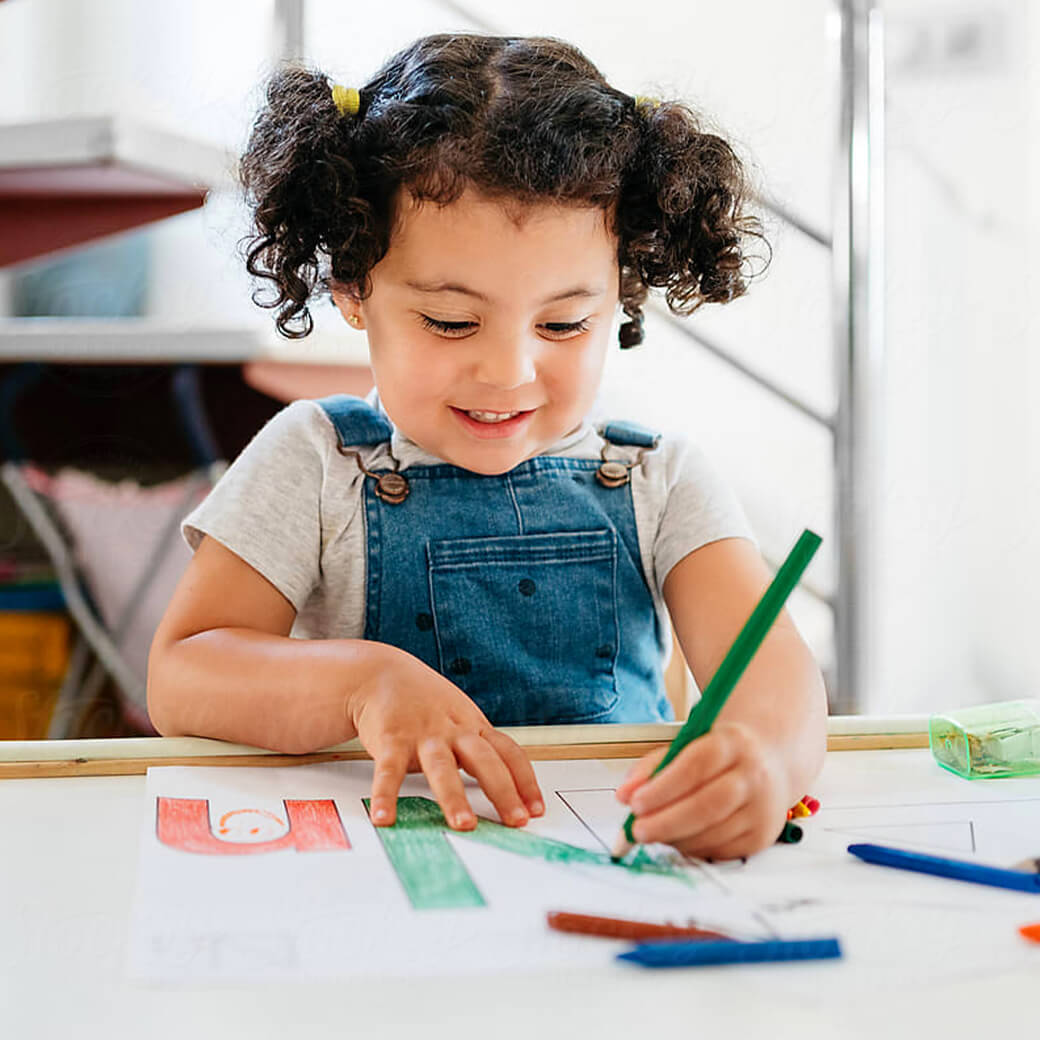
(630, 433)
(356, 421)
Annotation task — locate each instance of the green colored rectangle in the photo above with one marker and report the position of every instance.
(429, 869)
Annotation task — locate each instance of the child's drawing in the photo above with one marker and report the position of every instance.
(251, 825)
(295, 848)
(946, 836)
(313, 825)
(433, 876)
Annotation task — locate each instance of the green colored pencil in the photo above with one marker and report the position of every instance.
(737, 658)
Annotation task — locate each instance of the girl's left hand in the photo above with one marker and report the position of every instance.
(723, 796)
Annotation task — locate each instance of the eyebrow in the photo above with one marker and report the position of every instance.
(578, 292)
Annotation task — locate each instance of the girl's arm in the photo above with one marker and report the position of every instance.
(222, 664)
(727, 794)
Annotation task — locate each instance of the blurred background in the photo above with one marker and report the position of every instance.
(876, 385)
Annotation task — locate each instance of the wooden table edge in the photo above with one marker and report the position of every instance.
(617, 749)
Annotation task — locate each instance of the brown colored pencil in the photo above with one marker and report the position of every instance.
(614, 928)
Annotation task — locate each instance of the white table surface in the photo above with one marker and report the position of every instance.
(68, 863)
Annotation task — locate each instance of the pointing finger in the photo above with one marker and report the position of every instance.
(390, 768)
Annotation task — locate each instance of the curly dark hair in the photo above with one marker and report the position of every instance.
(526, 118)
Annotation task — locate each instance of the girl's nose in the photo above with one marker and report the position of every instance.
(505, 366)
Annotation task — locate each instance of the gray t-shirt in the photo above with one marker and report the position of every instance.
(291, 506)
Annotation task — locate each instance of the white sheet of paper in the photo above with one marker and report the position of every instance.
(290, 914)
(344, 912)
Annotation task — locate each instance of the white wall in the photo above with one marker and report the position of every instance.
(959, 494)
(960, 547)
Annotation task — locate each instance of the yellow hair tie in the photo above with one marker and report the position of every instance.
(644, 99)
(346, 99)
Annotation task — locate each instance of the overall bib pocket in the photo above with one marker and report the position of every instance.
(527, 625)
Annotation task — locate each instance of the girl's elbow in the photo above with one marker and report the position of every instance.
(157, 714)
(157, 696)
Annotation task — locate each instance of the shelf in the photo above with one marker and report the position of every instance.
(66, 182)
(147, 340)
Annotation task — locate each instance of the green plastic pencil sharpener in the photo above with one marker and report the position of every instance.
(988, 740)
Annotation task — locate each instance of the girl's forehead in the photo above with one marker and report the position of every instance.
(477, 230)
(476, 214)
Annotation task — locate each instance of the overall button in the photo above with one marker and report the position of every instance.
(460, 666)
(423, 621)
(392, 488)
(526, 587)
(612, 474)
(606, 650)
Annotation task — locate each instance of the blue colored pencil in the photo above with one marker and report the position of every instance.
(686, 954)
(958, 869)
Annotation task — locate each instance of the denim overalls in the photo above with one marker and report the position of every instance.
(525, 589)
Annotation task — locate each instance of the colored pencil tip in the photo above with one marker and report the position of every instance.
(1031, 932)
(622, 847)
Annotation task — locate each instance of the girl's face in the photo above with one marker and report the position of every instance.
(488, 326)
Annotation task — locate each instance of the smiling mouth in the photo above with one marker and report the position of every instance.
(491, 417)
(496, 425)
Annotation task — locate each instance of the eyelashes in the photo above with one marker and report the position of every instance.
(557, 329)
(447, 328)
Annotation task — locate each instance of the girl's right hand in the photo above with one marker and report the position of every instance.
(409, 717)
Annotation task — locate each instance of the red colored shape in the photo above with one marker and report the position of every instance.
(1031, 932)
(314, 826)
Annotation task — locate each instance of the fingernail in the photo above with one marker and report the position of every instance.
(519, 816)
(381, 815)
(537, 808)
(463, 820)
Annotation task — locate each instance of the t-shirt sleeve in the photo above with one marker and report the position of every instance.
(700, 507)
(267, 507)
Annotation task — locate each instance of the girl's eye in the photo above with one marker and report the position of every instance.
(565, 329)
(447, 328)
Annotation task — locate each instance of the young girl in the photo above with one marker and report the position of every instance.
(463, 550)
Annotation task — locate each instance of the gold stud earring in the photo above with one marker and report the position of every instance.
(355, 320)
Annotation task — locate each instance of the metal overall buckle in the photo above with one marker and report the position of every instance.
(391, 486)
(614, 473)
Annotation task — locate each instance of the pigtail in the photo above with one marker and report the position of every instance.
(301, 181)
(633, 294)
(683, 223)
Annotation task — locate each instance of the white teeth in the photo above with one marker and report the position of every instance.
(491, 417)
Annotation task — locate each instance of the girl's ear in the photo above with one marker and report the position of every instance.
(349, 306)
